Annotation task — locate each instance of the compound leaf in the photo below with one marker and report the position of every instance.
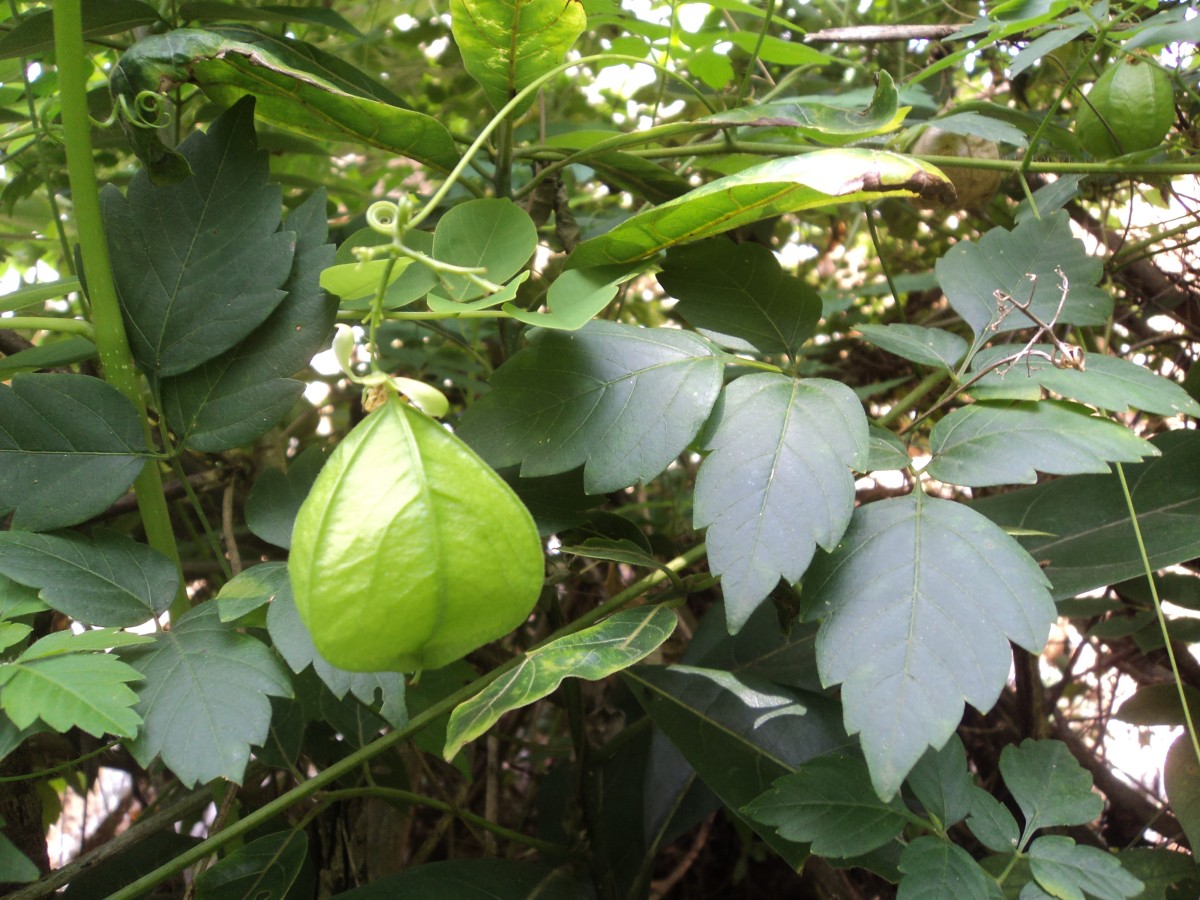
(986, 443)
(935, 869)
(101, 579)
(1049, 785)
(918, 603)
(1066, 869)
(623, 400)
(205, 697)
(778, 482)
(71, 690)
(69, 446)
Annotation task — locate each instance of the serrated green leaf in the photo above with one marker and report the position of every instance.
(200, 264)
(1091, 542)
(829, 802)
(942, 783)
(492, 234)
(992, 823)
(794, 183)
(101, 579)
(1107, 382)
(507, 44)
(204, 699)
(264, 869)
(1068, 870)
(73, 690)
(778, 482)
(593, 653)
(926, 346)
(621, 400)
(935, 869)
(59, 642)
(821, 120)
(918, 603)
(987, 443)
(233, 399)
(273, 502)
(972, 271)
(739, 296)
(1050, 787)
(1181, 775)
(69, 446)
(576, 297)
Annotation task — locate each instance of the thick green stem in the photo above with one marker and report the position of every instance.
(111, 342)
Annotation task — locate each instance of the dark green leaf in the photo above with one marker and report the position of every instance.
(18, 599)
(935, 869)
(69, 446)
(15, 866)
(624, 171)
(200, 264)
(232, 12)
(1050, 787)
(1087, 539)
(739, 296)
(829, 802)
(263, 869)
(34, 33)
(1159, 704)
(778, 482)
(886, 451)
(476, 879)
(942, 783)
(48, 355)
(204, 699)
(987, 444)
(507, 45)
(71, 690)
(233, 399)
(927, 346)
(495, 235)
(791, 184)
(250, 590)
(918, 604)
(1065, 868)
(1160, 869)
(104, 579)
(623, 400)
(275, 499)
(594, 653)
(1181, 776)
(992, 823)
(972, 271)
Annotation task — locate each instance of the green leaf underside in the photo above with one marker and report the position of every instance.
(69, 446)
(778, 482)
(264, 868)
(1087, 540)
(820, 120)
(914, 623)
(614, 644)
(926, 346)
(935, 869)
(493, 234)
(623, 401)
(987, 444)
(791, 184)
(739, 731)
(507, 44)
(1066, 869)
(279, 73)
(1106, 382)
(463, 560)
(199, 264)
(236, 397)
(972, 271)
(72, 690)
(739, 296)
(1050, 787)
(104, 579)
(829, 803)
(205, 697)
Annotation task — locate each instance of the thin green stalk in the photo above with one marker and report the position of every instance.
(744, 87)
(1158, 611)
(348, 764)
(37, 294)
(883, 264)
(48, 323)
(111, 342)
(924, 386)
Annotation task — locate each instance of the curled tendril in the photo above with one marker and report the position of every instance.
(390, 218)
(146, 111)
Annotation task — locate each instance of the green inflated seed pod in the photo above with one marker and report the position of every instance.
(410, 552)
(1129, 108)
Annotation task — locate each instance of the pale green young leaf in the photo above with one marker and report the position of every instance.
(927, 346)
(99, 579)
(738, 296)
(942, 783)
(68, 641)
(577, 296)
(491, 234)
(73, 690)
(830, 803)
(205, 697)
(594, 653)
(1049, 785)
(778, 482)
(1068, 870)
(622, 401)
(361, 279)
(918, 603)
(504, 296)
(1009, 443)
(263, 869)
(507, 45)
(69, 446)
(935, 869)
(1182, 779)
(820, 179)
(414, 282)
